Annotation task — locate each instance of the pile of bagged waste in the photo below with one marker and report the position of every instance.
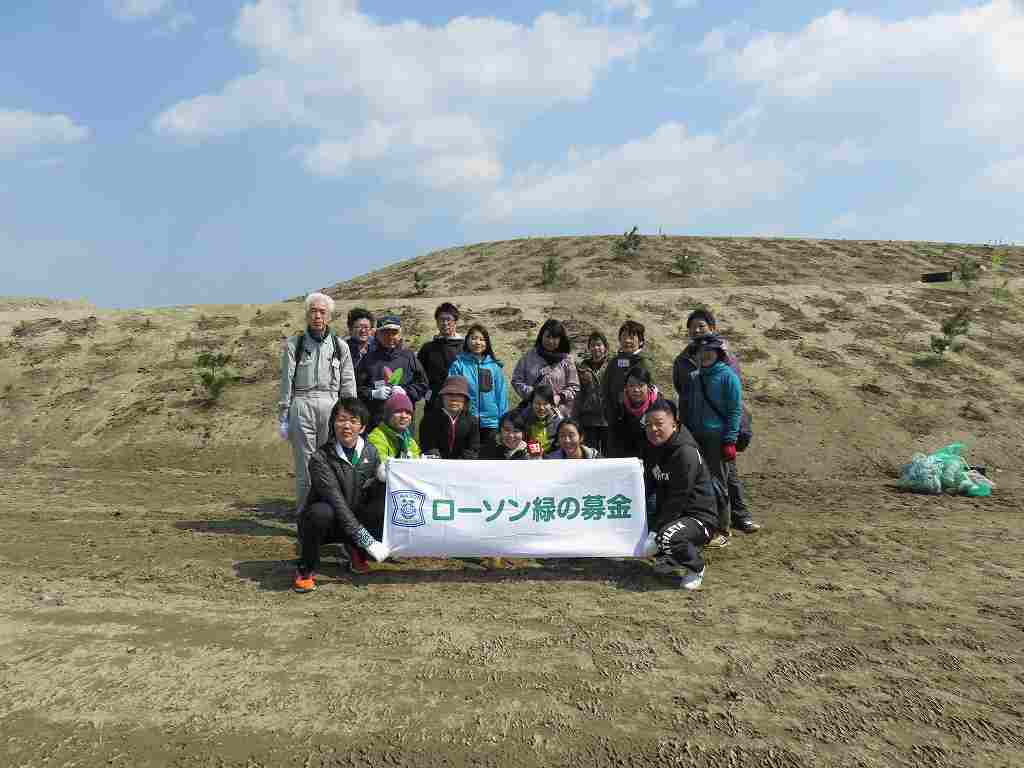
(945, 471)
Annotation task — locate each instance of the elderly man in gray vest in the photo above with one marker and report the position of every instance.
(316, 369)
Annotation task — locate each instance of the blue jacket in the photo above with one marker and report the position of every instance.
(725, 391)
(488, 393)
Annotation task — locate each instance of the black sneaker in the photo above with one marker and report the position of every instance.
(746, 525)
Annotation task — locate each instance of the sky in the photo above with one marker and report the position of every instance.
(166, 152)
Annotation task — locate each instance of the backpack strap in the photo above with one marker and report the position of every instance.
(707, 399)
(299, 346)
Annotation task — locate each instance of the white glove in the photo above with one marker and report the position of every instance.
(282, 429)
(382, 471)
(378, 551)
(381, 393)
(396, 390)
(650, 545)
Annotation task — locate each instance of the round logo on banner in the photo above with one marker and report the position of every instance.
(407, 508)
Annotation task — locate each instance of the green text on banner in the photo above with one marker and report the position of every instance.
(566, 508)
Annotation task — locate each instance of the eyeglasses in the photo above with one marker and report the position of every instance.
(446, 319)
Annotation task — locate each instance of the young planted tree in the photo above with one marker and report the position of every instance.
(550, 271)
(629, 243)
(213, 373)
(419, 282)
(955, 325)
(687, 263)
(1000, 291)
(968, 269)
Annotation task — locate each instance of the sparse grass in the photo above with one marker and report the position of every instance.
(928, 360)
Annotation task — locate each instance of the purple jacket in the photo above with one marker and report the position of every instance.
(532, 369)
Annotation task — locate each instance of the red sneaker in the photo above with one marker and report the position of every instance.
(357, 559)
(303, 582)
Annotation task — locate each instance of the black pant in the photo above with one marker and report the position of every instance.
(320, 525)
(725, 471)
(682, 540)
(735, 489)
(596, 437)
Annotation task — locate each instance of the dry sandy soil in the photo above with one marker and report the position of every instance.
(145, 543)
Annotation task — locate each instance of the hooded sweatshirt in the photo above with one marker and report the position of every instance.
(681, 482)
(488, 392)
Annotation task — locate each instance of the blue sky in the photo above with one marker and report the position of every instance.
(158, 152)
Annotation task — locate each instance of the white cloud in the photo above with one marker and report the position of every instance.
(686, 4)
(423, 101)
(131, 10)
(21, 130)
(960, 72)
(669, 175)
(641, 9)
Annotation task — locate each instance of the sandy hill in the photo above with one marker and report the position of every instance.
(146, 551)
(830, 334)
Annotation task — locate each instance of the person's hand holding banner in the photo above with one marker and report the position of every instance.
(378, 551)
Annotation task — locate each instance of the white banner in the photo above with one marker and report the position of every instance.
(584, 508)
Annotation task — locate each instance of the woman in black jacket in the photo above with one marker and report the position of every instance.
(450, 432)
(685, 514)
(510, 442)
(338, 507)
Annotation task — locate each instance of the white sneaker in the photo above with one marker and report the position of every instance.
(693, 579)
(665, 565)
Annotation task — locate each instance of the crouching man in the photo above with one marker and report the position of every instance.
(685, 511)
(340, 505)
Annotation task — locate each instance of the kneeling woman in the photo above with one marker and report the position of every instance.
(685, 515)
(570, 443)
(342, 473)
(510, 443)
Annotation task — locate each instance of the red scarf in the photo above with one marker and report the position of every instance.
(640, 410)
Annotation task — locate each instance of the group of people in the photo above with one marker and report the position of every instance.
(347, 407)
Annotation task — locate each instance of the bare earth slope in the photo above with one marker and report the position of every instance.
(144, 540)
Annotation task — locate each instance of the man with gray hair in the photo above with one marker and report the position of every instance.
(316, 369)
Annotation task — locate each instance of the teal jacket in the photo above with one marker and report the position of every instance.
(488, 394)
(725, 391)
